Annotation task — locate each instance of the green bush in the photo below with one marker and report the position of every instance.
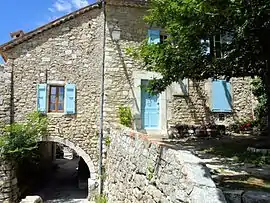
(258, 90)
(125, 116)
(100, 199)
(19, 140)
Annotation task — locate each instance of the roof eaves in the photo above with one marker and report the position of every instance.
(48, 26)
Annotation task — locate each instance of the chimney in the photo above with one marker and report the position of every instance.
(17, 34)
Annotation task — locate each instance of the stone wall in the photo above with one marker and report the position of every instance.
(68, 53)
(194, 108)
(140, 170)
(5, 93)
(9, 192)
(119, 66)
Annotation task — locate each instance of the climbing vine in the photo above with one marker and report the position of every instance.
(19, 140)
(125, 116)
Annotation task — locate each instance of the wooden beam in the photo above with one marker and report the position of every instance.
(4, 56)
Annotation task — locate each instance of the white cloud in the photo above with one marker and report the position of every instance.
(67, 6)
(79, 3)
(62, 6)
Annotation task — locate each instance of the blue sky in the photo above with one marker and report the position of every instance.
(27, 15)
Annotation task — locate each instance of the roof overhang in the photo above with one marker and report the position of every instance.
(9, 45)
(55, 23)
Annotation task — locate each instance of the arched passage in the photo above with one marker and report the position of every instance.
(92, 180)
(77, 149)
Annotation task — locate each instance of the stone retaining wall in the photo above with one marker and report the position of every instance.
(141, 170)
(9, 191)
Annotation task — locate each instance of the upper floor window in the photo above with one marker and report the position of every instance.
(154, 37)
(56, 99)
(163, 38)
(216, 46)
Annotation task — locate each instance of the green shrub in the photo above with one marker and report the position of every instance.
(125, 116)
(100, 199)
(19, 140)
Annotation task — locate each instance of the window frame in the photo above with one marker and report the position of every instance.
(56, 99)
(163, 38)
(224, 38)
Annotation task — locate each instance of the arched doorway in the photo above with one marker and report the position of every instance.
(64, 173)
(77, 149)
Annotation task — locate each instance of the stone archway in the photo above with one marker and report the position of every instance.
(92, 180)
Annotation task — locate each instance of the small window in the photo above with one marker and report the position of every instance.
(163, 38)
(217, 46)
(56, 99)
(219, 41)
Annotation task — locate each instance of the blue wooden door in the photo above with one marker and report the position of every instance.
(150, 108)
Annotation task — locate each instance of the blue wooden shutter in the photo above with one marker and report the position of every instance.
(221, 96)
(41, 97)
(153, 36)
(70, 97)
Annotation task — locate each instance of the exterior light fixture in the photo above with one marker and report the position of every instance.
(116, 33)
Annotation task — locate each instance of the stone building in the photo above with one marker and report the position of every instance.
(57, 69)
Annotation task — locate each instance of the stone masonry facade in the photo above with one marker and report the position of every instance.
(5, 93)
(140, 170)
(71, 51)
(119, 78)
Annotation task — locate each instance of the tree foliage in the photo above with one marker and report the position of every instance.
(19, 140)
(186, 22)
(258, 90)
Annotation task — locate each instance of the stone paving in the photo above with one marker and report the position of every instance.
(62, 186)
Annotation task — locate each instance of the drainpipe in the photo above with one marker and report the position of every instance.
(100, 172)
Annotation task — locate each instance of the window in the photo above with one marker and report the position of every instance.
(154, 37)
(163, 38)
(219, 42)
(216, 45)
(56, 99)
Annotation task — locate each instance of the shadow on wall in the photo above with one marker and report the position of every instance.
(201, 113)
(127, 72)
